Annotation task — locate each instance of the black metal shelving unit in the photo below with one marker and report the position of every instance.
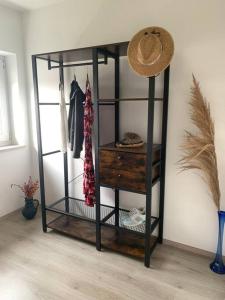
(102, 225)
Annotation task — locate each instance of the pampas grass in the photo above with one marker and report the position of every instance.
(199, 149)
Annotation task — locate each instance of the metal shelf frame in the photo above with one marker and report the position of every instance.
(53, 208)
(94, 56)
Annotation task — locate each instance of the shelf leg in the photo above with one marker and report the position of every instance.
(117, 126)
(39, 140)
(151, 93)
(147, 232)
(96, 142)
(98, 225)
(65, 158)
(163, 152)
(117, 208)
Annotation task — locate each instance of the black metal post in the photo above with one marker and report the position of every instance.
(39, 140)
(163, 151)
(65, 158)
(96, 142)
(117, 127)
(151, 95)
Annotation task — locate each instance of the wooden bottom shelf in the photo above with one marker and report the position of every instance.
(127, 243)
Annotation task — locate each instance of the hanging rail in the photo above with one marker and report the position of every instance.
(87, 63)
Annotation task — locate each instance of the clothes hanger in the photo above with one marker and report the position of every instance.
(87, 80)
(74, 75)
(60, 82)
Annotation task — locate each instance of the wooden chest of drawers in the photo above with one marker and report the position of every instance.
(125, 168)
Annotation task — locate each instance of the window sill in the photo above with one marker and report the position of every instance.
(11, 147)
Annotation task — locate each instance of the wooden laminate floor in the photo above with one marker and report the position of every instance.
(36, 266)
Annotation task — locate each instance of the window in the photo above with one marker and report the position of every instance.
(5, 132)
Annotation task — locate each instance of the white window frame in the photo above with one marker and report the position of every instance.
(5, 116)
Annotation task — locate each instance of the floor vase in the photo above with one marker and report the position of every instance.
(217, 265)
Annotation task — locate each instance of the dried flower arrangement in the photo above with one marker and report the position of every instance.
(29, 188)
(199, 149)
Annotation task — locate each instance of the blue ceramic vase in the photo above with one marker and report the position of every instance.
(217, 265)
(30, 209)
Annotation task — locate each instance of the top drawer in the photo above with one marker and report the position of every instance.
(124, 160)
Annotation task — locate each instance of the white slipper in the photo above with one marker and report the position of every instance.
(137, 211)
(135, 217)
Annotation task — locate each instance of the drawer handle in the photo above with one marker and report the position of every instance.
(119, 175)
(119, 157)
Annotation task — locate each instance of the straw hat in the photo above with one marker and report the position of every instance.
(150, 51)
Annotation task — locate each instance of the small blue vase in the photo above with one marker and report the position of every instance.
(30, 209)
(217, 265)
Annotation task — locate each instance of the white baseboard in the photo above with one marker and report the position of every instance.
(189, 248)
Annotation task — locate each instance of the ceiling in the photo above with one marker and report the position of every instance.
(24, 5)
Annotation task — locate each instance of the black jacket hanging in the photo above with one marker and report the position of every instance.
(76, 119)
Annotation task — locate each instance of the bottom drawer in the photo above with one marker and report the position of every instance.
(133, 181)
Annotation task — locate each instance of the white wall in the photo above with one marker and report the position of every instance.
(14, 163)
(198, 28)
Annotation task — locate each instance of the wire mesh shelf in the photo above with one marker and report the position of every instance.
(77, 208)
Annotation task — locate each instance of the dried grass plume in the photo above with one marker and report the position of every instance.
(199, 149)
